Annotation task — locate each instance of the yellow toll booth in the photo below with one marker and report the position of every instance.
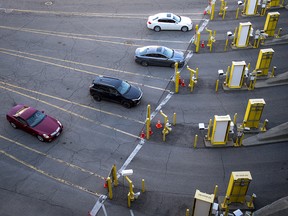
(236, 75)
(274, 3)
(263, 62)
(202, 204)
(220, 130)
(253, 113)
(271, 23)
(250, 7)
(238, 186)
(243, 35)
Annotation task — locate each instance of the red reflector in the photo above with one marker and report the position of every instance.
(149, 22)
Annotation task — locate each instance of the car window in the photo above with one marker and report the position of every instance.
(113, 91)
(171, 21)
(168, 52)
(35, 119)
(177, 18)
(22, 121)
(123, 87)
(163, 20)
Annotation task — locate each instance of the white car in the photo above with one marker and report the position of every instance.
(169, 21)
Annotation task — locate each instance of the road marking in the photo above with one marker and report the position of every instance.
(72, 113)
(84, 64)
(76, 69)
(52, 158)
(87, 14)
(83, 36)
(74, 103)
(49, 175)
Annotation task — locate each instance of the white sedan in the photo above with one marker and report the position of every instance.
(169, 21)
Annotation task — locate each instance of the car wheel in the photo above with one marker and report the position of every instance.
(97, 97)
(144, 63)
(40, 138)
(184, 29)
(157, 28)
(13, 125)
(127, 104)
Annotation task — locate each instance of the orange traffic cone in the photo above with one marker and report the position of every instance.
(158, 125)
(150, 131)
(142, 135)
(183, 83)
(202, 44)
(105, 184)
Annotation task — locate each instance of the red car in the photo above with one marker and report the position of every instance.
(35, 122)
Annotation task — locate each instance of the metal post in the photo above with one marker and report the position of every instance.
(197, 44)
(227, 75)
(114, 174)
(273, 71)
(224, 11)
(195, 141)
(148, 111)
(143, 185)
(215, 191)
(234, 39)
(174, 119)
(197, 71)
(209, 130)
(109, 187)
(212, 11)
(129, 201)
(235, 119)
(187, 212)
(147, 128)
(217, 84)
(177, 82)
(250, 204)
(237, 12)
(264, 125)
(226, 44)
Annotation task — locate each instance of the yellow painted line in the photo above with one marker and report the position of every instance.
(71, 102)
(49, 175)
(84, 64)
(72, 113)
(52, 158)
(87, 35)
(75, 69)
(110, 15)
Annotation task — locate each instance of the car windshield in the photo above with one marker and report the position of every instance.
(168, 52)
(35, 119)
(177, 18)
(123, 87)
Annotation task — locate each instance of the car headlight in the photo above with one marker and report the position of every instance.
(59, 123)
(46, 136)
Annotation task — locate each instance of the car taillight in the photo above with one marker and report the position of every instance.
(149, 22)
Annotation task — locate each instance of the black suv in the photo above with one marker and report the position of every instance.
(115, 90)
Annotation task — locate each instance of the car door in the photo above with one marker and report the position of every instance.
(114, 95)
(163, 23)
(21, 123)
(172, 24)
(156, 59)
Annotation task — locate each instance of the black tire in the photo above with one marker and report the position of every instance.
(13, 125)
(144, 63)
(40, 138)
(157, 29)
(127, 104)
(97, 97)
(184, 29)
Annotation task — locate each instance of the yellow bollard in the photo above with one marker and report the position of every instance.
(148, 111)
(250, 203)
(212, 11)
(147, 128)
(237, 13)
(187, 212)
(176, 67)
(177, 77)
(264, 125)
(197, 41)
(114, 174)
(224, 11)
(129, 201)
(196, 27)
(209, 130)
(174, 119)
(226, 211)
(235, 119)
(235, 33)
(109, 187)
(248, 66)
(197, 71)
(226, 44)
(195, 141)
(143, 185)
(224, 204)
(217, 84)
(215, 191)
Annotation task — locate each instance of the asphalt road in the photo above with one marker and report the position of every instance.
(49, 55)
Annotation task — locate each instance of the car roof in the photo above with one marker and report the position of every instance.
(164, 15)
(151, 49)
(109, 81)
(25, 112)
